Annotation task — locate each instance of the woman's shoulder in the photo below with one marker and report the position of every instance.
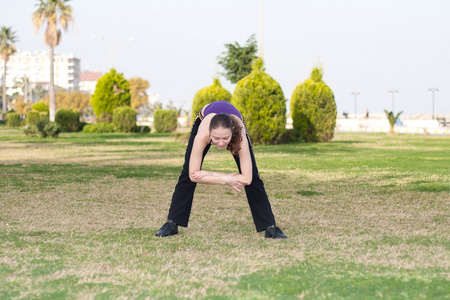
(203, 130)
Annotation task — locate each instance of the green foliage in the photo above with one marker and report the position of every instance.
(237, 60)
(78, 100)
(165, 120)
(13, 120)
(392, 119)
(105, 118)
(313, 109)
(43, 128)
(68, 119)
(261, 101)
(138, 91)
(81, 126)
(124, 119)
(43, 115)
(142, 129)
(33, 117)
(102, 127)
(41, 106)
(112, 91)
(209, 94)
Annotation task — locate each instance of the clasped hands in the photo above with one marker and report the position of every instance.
(233, 180)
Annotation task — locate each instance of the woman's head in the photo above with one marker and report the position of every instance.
(225, 132)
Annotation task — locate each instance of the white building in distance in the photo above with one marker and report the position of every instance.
(36, 68)
(88, 81)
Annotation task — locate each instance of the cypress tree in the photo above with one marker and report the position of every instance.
(313, 109)
(261, 101)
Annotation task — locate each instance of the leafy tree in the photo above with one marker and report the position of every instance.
(22, 107)
(237, 60)
(7, 48)
(77, 100)
(261, 101)
(138, 90)
(392, 119)
(39, 92)
(40, 106)
(313, 109)
(54, 14)
(112, 90)
(208, 95)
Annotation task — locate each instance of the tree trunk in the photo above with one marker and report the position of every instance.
(26, 89)
(4, 111)
(51, 87)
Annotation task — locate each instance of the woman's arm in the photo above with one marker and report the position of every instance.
(245, 158)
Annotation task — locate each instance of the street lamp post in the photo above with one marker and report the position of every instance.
(393, 93)
(131, 39)
(433, 91)
(355, 95)
(261, 28)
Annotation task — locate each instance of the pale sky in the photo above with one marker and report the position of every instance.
(364, 46)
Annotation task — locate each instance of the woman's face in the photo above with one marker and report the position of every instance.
(221, 137)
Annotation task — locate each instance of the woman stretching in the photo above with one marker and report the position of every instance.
(221, 124)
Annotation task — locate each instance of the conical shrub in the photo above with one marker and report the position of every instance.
(111, 91)
(261, 101)
(209, 94)
(313, 109)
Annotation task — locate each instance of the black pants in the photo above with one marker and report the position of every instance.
(180, 208)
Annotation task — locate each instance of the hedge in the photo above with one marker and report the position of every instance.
(68, 119)
(165, 120)
(124, 119)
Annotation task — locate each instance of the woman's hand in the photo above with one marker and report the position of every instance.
(235, 182)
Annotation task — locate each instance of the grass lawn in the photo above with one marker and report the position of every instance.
(367, 218)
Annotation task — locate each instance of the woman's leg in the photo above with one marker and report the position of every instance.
(180, 208)
(257, 197)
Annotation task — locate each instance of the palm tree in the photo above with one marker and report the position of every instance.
(392, 119)
(7, 48)
(52, 13)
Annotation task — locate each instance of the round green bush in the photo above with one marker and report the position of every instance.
(209, 94)
(261, 101)
(13, 120)
(313, 109)
(32, 117)
(68, 119)
(45, 128)
(40, 106)
(165, 120)
(124, 119)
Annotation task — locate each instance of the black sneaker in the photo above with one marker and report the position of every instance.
(274, 232)
(169, 228)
